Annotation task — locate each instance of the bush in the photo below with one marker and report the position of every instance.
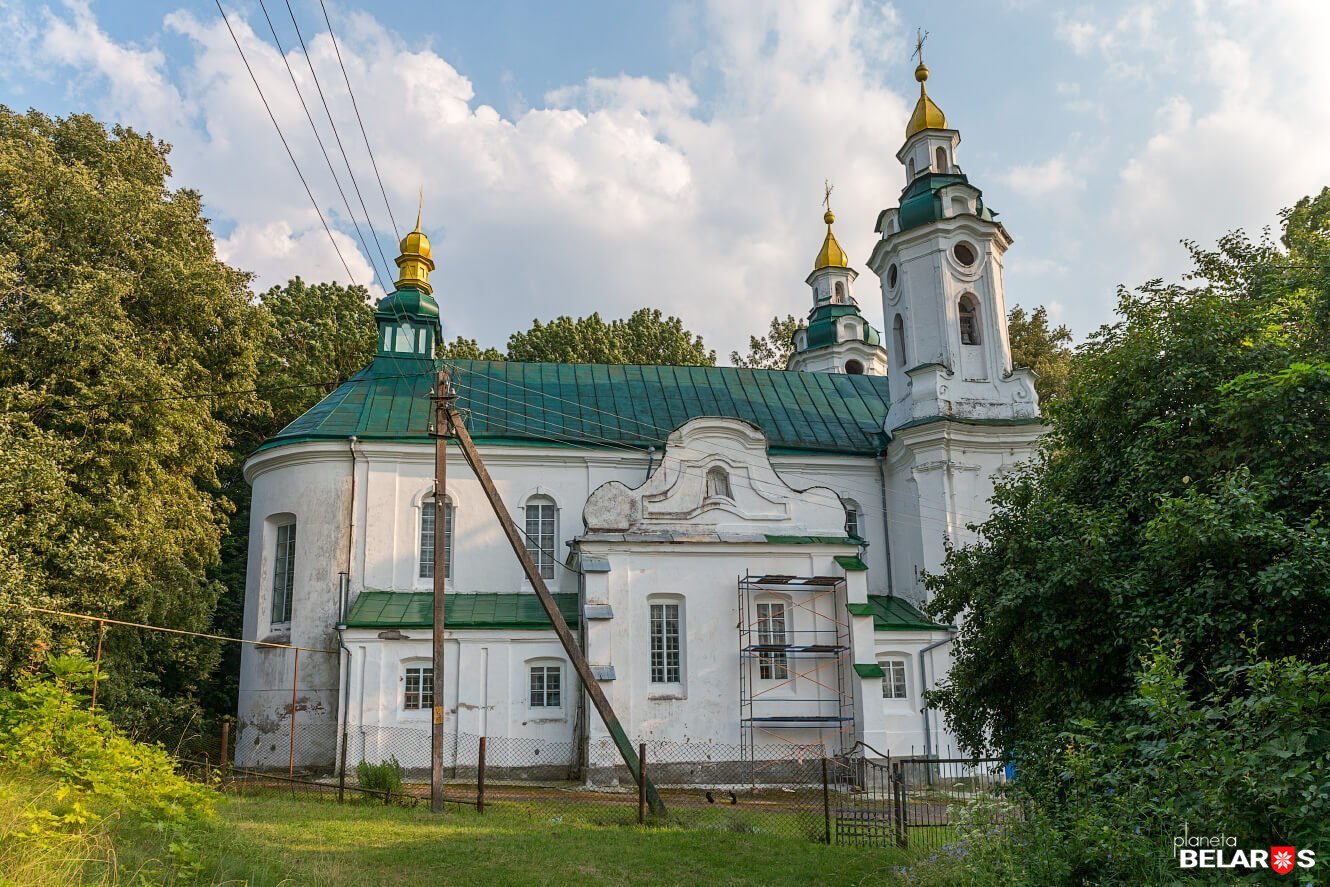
(385, 776)
(82, 776)
(1103, 802)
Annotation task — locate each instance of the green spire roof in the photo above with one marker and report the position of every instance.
(921, 204)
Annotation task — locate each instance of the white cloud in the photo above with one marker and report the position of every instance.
(614, 193)
(1037, 180)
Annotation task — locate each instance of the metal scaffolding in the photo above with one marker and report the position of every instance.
(794, 661)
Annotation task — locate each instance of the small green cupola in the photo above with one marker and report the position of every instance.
(408, 318)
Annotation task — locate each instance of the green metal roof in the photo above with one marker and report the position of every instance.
(822, 328)
(897, 614)
(920, 204)
(397, 609)
(600, 405)
(408, 303)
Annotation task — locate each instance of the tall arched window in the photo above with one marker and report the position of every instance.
(541, 533)
(909, 169)
(898, 338)
(428, 516)
(840, 291)
(941, 159)
(284, 572)
(718, 483)
(969, 319)
(772, 638)
(852, 519)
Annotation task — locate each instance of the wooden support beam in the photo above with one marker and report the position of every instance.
(566, 638)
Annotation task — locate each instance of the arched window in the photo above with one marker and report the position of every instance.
(541, 533)
(852, 519)
(283, 572)
(898, 337)
(718, 483)
(428, 515)
(665, 641)
(969, 319)
(840, 291)
(941, 159)
(909, 169)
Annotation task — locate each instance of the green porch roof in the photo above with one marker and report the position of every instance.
(897, 614)
(510, 610)
(600, 405)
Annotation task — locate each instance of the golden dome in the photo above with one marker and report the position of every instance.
(831, 255)
(927, 115)
(415, 264)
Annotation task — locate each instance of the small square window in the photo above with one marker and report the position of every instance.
(893, 680)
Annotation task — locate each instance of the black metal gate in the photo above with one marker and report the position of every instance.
(867, 812)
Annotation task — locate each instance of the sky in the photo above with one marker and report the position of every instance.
(599, 156)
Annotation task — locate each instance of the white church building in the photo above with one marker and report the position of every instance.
(738, 551)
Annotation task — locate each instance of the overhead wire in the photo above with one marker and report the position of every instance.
(396, 230)
(319, 139)
(285, 144)
(309, 60)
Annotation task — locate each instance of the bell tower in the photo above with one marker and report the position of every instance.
(939, 260)
(960, 416)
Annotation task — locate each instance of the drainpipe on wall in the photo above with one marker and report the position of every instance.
(923, 686)
(651, 458)
(345, 607)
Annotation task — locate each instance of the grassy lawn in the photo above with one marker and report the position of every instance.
(267, 840)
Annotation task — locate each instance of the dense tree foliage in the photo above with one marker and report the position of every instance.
(772, 351)
(468, 349)
(1043, 348)
(645, 337)
(114, 313)
(1183, 489)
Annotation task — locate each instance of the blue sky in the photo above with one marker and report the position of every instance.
(605, 156)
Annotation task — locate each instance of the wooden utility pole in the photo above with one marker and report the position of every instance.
(442, 420)
(566, 638)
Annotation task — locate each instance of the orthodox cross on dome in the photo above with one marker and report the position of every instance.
(827, 188)
(920, 36)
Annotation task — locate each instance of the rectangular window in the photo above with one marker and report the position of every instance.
(540, 536)
(427, 518)
(546, 686)
(774, 665)
(666, 666)
(419, 688)
(852, 522)
(283, 574)
(893, 681)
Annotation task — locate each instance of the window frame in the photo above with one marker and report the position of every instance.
(671, 669)
(449, 528)
(545, 560)
(895, 677)
(772, 666)
(424, 674)
(283, 568)
(546, 668)
(967, 308)
(853, 516)
(723, 489)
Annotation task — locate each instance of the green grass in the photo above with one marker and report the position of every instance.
(275, 839)
(309, 841)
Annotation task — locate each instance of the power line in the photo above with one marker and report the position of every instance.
(285, 144)
(309, 60)
(319, 138)
(396, 230)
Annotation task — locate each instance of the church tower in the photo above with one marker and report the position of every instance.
(960, 416)
(940, 264)
(837, 338)
(408, 318)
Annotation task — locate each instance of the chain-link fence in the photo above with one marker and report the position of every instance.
(294, 740)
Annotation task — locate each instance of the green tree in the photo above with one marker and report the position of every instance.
(468, 349)
(772, 351)
(114, 313)
(1043, 348)
(1183, 488)
(645, 337)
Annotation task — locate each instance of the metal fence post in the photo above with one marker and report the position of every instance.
(641, 783)
(898, 797)
(224, 758)
(480, 778)
(826, 801)
(295, 677)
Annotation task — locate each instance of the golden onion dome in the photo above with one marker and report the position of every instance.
(927, 115)
(831, 255)
(415, 264)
